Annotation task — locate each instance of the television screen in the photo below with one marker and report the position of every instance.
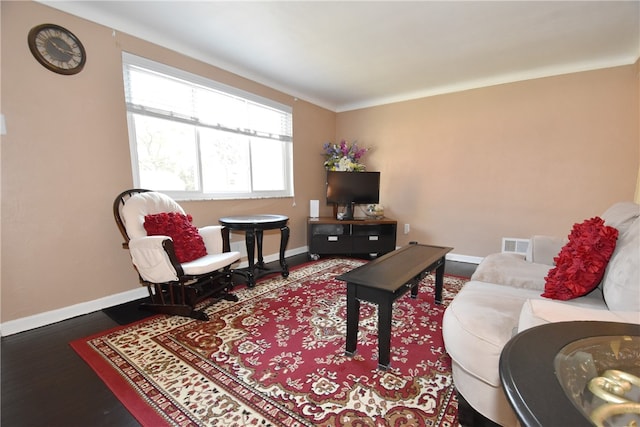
(345, 188)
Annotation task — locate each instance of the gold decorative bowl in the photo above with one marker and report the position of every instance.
(601, 376)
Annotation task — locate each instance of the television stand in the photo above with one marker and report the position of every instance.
(331, 236)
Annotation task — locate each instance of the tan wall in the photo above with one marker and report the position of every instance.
(469, 168)
(463, 169)
(66, 156)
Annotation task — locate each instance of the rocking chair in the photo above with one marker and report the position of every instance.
(174, 287)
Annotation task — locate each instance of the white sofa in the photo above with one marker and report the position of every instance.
(504, 298)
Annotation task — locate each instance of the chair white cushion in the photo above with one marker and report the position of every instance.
(212, 237)
(153, 264)
(151, 260)
(209, 263)
(147, 253)
(143, 204)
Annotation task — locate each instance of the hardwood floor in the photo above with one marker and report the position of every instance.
(45, 383)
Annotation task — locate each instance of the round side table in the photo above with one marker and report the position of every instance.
(528, 374)
(253, 227)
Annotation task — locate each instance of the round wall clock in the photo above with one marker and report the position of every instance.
(57, 49)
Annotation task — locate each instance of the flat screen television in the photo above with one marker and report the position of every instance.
(349, 188)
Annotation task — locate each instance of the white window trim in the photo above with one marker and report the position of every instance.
(131, 59)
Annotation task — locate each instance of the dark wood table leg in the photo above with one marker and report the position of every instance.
(439, 281)
(414, 291)
(385, 314)
(226, 242)
(259, 235)
(416, 285)
(284, 239)
(250, 239)
(353, 316)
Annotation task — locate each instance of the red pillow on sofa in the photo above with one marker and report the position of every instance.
(187, 242)
(581, 263)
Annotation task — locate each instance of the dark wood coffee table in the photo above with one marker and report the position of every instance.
(384, 280)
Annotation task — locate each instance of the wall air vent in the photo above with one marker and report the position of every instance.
(513, 245)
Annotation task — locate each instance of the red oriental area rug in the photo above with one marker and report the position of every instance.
(276, 358)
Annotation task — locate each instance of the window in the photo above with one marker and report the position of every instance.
(194, 138)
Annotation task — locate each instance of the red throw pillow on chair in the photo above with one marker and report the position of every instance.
(187, 242)
(581, 263)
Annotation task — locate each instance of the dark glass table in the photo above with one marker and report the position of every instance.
(530, 374)
(253, 226)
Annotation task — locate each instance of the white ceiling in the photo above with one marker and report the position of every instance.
(352, 54)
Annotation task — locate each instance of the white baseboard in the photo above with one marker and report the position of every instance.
(276, 257)
(464, 258)
(47, 318)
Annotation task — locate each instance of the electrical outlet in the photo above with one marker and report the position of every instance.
(407, 228)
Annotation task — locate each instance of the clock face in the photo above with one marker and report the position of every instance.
(57, 49)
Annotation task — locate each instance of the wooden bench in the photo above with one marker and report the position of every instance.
(384, 280)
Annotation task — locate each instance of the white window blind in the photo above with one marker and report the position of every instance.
(196, 138)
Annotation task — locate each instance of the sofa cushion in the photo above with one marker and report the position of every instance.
(621, 282)
(539, 312)
(543, 249)
(484, 316)
(621, 215)
(187, 242)
(511, 270)
(480, 395)
(581, 263)
(479, 322)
